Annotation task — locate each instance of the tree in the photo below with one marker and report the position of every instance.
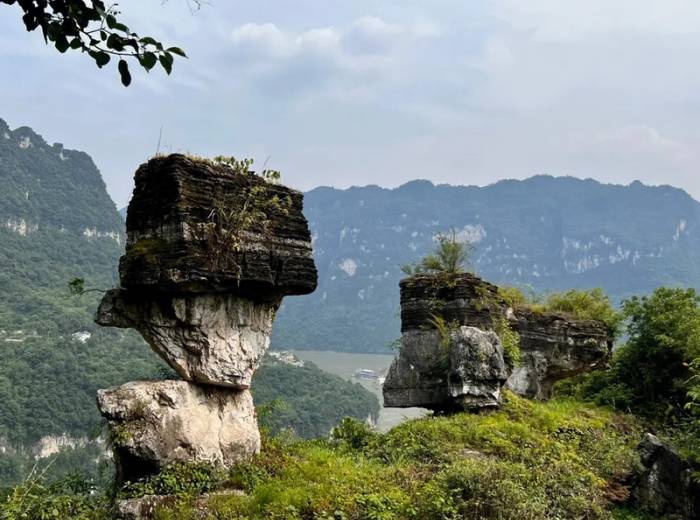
(652, 373)
(95, 28)
(451, 256)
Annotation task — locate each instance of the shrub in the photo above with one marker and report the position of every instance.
(451, 256)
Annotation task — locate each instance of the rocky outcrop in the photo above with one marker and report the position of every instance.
(195, 226)
(552, 346)
(665, 488)
(214, 339)
(157, 423)
(211, 252)
(465, 372)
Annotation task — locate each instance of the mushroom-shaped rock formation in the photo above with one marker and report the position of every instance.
(552, 346)
(211, 251)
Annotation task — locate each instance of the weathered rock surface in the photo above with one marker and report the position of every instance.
(156, 423)
(665, 489)
(216, 339)
(467, 372)
(462, 298)
(552, 346)
(177, 199)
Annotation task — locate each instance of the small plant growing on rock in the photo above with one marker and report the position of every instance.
(451, 256)
(229, 223)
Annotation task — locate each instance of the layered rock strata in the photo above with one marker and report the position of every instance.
(211, 252)
(552, 346)
(182, 212)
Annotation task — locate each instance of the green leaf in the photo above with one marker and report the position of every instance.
(120, 27)
(166, 61)
(178, 51)
(147, 40)
(115, 42)
(101, 58)
(111, 21)
(76, 43)
(124, 73)
(61, 43)
(148, 60)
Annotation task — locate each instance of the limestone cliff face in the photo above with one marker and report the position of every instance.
(552, 346)
(210, 254)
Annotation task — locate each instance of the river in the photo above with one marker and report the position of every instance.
(345, 364)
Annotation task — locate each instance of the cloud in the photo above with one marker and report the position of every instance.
(361, 92)
(556, 20)
(268, 40)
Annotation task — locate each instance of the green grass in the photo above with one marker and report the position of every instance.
(528, 460)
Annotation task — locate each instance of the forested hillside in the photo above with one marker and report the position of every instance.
(545, 233)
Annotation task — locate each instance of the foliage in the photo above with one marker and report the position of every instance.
(591, 304)
(510, 340)
(95, 28)
(582, 304)
(71, 498)
(528, 460)
(651, 374)
(180, 478)
(451, 256)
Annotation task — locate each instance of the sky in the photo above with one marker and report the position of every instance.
(342, 93)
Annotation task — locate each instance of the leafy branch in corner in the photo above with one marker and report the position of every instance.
(96, 29)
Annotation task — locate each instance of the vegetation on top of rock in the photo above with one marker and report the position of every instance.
(580, 304)
(451, 256)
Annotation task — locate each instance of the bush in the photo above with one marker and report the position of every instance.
(651, 373)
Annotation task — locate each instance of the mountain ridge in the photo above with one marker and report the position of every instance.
(548, 233)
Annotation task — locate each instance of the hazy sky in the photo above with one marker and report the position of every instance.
(380, 92)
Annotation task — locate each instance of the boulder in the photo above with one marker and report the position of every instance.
(464, 371)
(196, 226)
(555, 347)
(153, 424)
(665, 488)
(215, 339)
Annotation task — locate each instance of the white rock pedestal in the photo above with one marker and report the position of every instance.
(153, 424)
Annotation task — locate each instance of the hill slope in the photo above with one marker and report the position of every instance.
(545, 232)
